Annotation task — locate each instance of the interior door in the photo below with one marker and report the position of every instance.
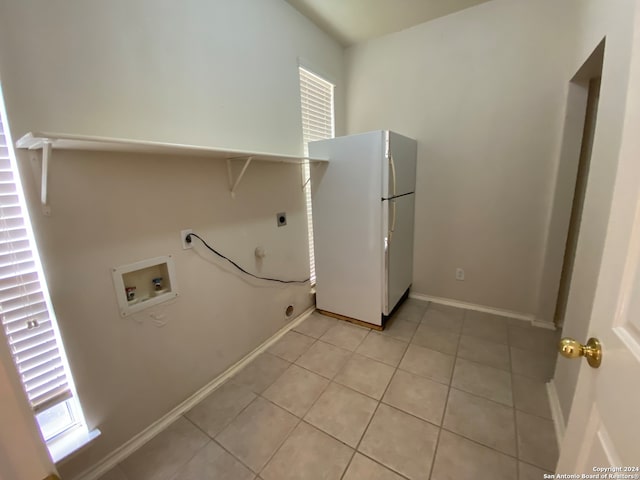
(604, 423)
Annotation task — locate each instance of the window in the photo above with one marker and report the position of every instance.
(316, 98)
(25, 309)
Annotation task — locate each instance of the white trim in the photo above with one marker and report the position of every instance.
(159, 425)
(536, 322)
(473, 306)
(556, 411)
(70, 442)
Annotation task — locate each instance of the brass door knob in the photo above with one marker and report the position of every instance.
(592, 351)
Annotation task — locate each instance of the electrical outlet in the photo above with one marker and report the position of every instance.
(281, 219)
(459, 274)
(183, 237)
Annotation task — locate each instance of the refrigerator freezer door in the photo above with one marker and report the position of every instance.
(398, 259)
(399, 174)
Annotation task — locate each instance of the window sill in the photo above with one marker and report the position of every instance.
(70, 442)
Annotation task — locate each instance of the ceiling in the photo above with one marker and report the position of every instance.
(353, 21)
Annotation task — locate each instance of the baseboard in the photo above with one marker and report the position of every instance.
(472, 306)
(556, 411)
(159, 425)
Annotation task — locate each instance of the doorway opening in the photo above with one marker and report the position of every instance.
(584, 94)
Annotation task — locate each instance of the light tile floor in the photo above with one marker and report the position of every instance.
(441, 394)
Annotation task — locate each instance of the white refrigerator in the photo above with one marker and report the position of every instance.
(363, 216)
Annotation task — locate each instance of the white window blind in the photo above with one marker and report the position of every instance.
(316, 98)
(24, 308)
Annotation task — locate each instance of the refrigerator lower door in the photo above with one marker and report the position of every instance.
(398, 254)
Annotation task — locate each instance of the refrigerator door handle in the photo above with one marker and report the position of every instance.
(393, 219)
(393, 175)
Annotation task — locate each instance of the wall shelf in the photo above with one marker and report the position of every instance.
(47, 142)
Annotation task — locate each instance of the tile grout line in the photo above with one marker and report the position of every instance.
(350, 352)
(516, 410)
(446, 403)
(379, 401)
(527, 462)
(212, 439)
(331, 380)
(259, 395)
(454, 432)
(440, 427)
(451, 387)
(494, 401)
(485, 364)
(355, 449)
(513, 407)
(515, 415)
(183, 415)
(475, 394)
(377, 462)
(534, 415)
(458, 434)
(301, 418)
(364, 432)
(315, 340)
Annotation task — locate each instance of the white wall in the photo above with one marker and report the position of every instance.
(191, 72)
(218, 73)
(483, 92)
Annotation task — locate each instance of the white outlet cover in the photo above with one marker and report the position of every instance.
(459, 274)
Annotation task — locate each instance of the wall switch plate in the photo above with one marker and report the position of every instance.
(281, 218)
(459, 274)
(183, 236)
